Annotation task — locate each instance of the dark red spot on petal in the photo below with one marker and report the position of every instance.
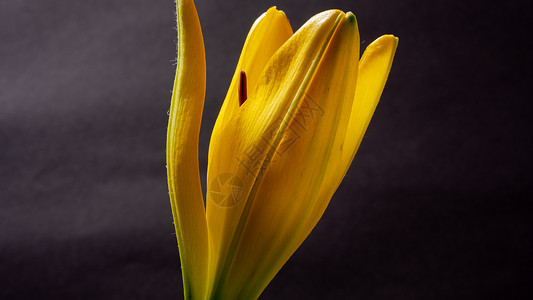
(243, 93)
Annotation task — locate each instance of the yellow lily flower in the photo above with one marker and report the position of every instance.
(276, 155)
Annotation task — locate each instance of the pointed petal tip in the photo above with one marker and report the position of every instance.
(386, 39)
(273, 9)
(383, 44)
(351, 17)
(282, 13)
(329, 14)
(279, 13)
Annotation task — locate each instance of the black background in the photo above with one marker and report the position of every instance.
(433, 206)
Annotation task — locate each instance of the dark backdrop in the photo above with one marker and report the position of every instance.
(432, 208)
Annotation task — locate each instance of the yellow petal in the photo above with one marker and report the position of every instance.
(240, 149)
(267, 34)
(281, 203)
(374, 69)
(287, 194)
(182, 151)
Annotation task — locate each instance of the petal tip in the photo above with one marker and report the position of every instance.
(387, 38)
(383, 44)
(351, 17)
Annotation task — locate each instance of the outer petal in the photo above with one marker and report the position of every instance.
(182, 151)
(374, 69)
(241, 148)
(267, 34)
